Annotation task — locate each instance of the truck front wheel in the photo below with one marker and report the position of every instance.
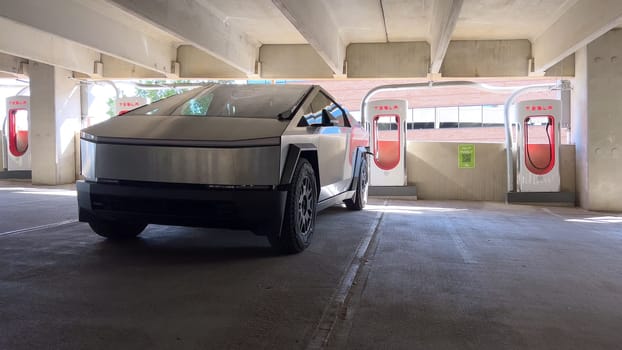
(117, 230)
(300, 212)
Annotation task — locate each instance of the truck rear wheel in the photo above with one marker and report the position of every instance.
(359, 200)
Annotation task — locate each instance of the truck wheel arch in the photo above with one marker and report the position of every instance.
(295, 152)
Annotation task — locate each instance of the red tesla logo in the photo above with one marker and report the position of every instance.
(386, 108)
(129, 104)
(539, 108)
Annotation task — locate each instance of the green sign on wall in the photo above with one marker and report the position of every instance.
(466, 156)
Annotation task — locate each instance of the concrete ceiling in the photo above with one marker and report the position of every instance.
(512, 19)
(293, 39)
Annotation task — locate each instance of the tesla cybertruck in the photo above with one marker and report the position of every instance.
(263, 158)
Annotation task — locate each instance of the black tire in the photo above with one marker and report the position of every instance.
(359, 200)
(300, 212)
(117, 230)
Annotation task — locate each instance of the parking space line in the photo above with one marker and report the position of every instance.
(548, 211)
(467, 257)
(37, 228)
(461, 247)
(331, 312)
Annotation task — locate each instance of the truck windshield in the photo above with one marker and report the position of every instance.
(241, 101)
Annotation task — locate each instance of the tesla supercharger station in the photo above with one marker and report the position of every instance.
(126, 104)
(16, 133)
(538, 134)
(387, 122)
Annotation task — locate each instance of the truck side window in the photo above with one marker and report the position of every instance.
(321, 101)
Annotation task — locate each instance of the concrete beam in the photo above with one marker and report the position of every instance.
(314, 22)
(199, 26)
(197, 64)
(11, 64)
(33, 44)
(584, 22)
(487, 58)
(444, 17)
(114, 68)
(388, 60)
(297, 61)
(95, 25)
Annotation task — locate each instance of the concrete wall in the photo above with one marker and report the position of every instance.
(297, 61)
(597, 130)
(487, 58)
(433, 168)
(568, 164)
(563, 68)
(604, 112)
(388, 60)
(200, 64)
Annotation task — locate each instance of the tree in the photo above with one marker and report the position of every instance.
(153, 95)
(111, 110)
(161, 89)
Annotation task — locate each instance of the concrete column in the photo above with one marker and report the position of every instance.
(579, 124)
(55, 118)
(597, 130)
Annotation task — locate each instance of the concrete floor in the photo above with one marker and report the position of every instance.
(399, 275)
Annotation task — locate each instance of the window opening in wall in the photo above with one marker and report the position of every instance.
(447, 117)
(492, 115)
(421, 118)
(476, 123)
(469, 116)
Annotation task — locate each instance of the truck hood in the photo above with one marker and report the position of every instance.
(184, 130)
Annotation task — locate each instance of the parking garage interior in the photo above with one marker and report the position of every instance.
(461, 254)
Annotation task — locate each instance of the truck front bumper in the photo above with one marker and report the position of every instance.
(260, 210)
